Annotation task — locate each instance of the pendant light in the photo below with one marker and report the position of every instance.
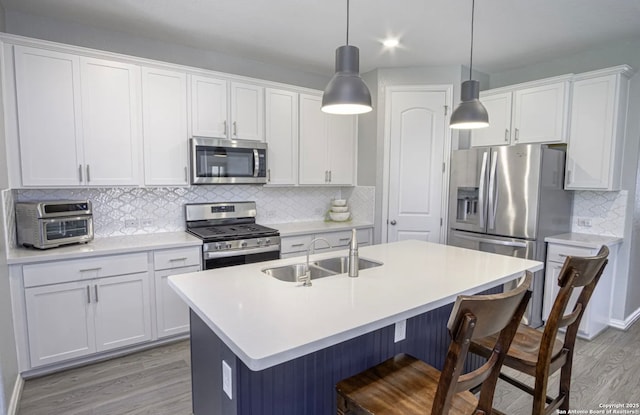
(470, 114)
(346, 92)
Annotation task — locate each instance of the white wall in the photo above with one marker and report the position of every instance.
(627, 288)
(8, 356)
(54, 30)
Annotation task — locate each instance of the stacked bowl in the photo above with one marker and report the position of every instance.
(339, 210)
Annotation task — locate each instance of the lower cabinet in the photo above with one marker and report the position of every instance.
(80, 307)
(297, 245)
(78, 318)
(596, 316)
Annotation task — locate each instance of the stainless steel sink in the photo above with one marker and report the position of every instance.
(340, 265)
(319, 269)
(293, 272)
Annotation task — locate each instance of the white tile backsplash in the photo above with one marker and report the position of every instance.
(599, 213)
(160, 209)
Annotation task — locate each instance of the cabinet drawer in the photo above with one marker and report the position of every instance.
(337, 240)
(83, 269)
(175, 258)
(291, 244)
(558, 253)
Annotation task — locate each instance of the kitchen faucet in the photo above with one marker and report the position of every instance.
(307, 273)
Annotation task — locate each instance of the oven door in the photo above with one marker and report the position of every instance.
(65, 230)
(223, 259)
(218, 161)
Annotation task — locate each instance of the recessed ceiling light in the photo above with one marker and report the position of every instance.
(391, 42)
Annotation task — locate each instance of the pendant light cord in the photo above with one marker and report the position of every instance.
(347, 22)
(473, 7)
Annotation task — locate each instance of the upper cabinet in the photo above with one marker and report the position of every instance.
(535, 112)
(281, 131)
(327, 145)
(77, 119)
(596, 140)
(164, 122)
(217, 113)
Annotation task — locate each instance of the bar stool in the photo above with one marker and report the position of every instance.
(541, 353)
(406, 385)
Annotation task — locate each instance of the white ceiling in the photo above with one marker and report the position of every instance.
(305, 33)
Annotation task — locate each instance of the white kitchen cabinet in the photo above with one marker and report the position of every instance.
(596, 316)
(209, 107)
(78, 307)
(596, 140)
(327, 145)
(110, 122)
(77, 118)
(49, 116)
(164, 122)
(291, 246)
(281, 134)
(172, 313)
(247, 111)
(535, 112)
(223, 109)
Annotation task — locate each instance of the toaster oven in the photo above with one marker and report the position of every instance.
(50, 224)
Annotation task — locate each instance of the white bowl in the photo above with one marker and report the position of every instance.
(339, 216)
(339, 208)
(339, 202)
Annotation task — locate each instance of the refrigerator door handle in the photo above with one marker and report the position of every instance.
(482, 190)
(492, 191)
(515, 244)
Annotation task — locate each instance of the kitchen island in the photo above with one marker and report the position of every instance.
(281, 347)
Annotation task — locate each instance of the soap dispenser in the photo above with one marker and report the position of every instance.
(353, 255)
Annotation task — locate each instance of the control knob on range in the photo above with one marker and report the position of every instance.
(243, 244)
(267, 241)
(217, 246)
(227, 245)
(259, 242)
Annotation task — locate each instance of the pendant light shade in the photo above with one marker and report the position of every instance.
(346, 92)
(470, 114)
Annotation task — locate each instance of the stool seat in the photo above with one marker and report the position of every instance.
(401, 385)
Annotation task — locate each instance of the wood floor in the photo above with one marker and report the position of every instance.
(158, 382)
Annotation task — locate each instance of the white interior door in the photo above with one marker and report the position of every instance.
(416, 153)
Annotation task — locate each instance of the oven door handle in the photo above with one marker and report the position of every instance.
(239, 252)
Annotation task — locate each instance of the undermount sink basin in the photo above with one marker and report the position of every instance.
(293, 272)
(319, 269)
(340, 265)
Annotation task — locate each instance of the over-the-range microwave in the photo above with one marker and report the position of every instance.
(222, 161)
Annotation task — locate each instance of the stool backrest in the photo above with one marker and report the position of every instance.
(474, 317)
(576, 273)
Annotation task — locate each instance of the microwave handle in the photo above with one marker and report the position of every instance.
(256, 163)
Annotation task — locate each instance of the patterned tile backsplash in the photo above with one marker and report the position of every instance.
(599, 213)
(161, 209)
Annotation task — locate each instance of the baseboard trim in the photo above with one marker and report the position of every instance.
(627, 322)
(15, 396)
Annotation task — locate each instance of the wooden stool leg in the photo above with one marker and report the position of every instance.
(540, 392)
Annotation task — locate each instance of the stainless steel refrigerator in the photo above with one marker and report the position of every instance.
(506, 200)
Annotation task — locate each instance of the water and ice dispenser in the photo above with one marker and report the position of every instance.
(467, 209)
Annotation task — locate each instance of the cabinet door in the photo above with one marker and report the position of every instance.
(247, 112)
(540, 114)
(110, 122)
(592, 142)
(499, 130)
(49, 117)
(122, 310)
(313, 142)
(164, 122)
(282, 137)
(208, 107)
(59, 322)
(341, 148)
(172, 312)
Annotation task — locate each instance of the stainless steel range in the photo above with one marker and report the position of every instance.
(230, 233)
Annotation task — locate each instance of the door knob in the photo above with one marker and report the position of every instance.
(393, 222)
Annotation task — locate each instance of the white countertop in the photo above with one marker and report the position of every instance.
(301, 228)
(584, 240)
(104, 246)
(265, 321)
